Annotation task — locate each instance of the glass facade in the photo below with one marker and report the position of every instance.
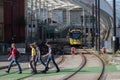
(117, 7)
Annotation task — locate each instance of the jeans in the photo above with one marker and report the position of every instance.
(51, 57)
(33, 65)
(16, 61)
(41, 61)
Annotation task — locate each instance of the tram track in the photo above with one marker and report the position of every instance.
(100, 77)
(61, 57)
(103, 70)
(82, 65)
(103, 65)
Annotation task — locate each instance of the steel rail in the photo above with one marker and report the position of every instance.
(84, 61)
(103, 64)
(61, 61)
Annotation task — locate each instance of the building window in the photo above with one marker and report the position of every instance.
(33, 25)
(29, 26)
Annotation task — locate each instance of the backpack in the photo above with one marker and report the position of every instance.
(43, 48)
(17, 54)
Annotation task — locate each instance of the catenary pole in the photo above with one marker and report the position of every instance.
(98, 25)
(114, 25)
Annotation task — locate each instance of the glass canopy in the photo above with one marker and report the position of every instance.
(117, 7)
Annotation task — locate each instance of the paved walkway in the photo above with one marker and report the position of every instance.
(69, 65)
(66, 68)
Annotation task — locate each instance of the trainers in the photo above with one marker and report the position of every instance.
(47, 69)
(58, 70)
(33, 72)
(7, 71)
(20, 73)
(43, 71)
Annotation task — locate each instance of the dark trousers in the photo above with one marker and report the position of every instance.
(41, 61)
(33, 65)
(51, 57)
(16, 61)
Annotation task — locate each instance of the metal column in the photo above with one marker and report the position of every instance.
(89, 30)
(31, 20)
(68, 16)
(96, 21)
(84, 30)
(93, 32)
(114, 26)
(12, 22)
(98, 25)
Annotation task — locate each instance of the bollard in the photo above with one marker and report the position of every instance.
(104, 50)
(104, 53)
(72, 50)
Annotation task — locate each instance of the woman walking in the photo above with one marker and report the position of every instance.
(32, 60)
(38, 55)
(14, 58)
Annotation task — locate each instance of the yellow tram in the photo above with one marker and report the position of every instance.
(75, 36)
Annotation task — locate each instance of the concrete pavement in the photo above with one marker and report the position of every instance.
(69, 65)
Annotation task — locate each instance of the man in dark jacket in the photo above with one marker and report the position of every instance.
(50, 57)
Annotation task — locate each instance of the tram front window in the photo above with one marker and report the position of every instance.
(75, 35)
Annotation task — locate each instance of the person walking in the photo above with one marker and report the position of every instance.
(32, 60)
(9, 51)
(14, 58)
(50, 57)
(38, 55)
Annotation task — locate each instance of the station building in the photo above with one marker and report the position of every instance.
(70, 13)
(31, 20)
(12, 23)
(7, 9)
(1, 20)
